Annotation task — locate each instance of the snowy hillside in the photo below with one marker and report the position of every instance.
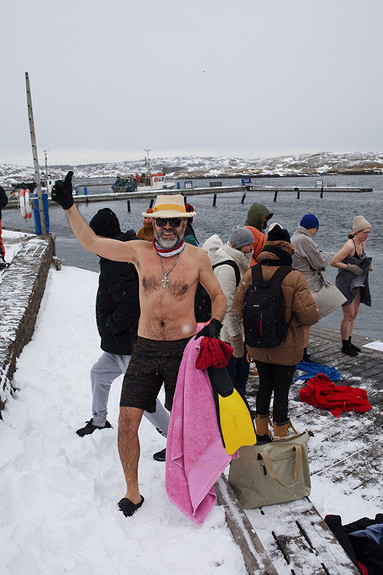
(194, 166)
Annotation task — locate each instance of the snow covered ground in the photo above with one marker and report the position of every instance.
(59, 492)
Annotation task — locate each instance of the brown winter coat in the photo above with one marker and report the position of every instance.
(300, 306)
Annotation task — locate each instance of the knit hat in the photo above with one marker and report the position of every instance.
(309, 221)
(359, 223)
(105, 223)
(277, 233)
(169, 206)
(240, 236)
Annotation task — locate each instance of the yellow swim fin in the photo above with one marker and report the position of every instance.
(233, 413)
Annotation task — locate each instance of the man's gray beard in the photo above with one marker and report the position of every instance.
(168, 244)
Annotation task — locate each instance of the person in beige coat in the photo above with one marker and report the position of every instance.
(276, 366)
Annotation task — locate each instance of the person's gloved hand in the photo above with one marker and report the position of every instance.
(210, 330)
(355, 269)
(236, 343)
(62, 192)
(371, 268)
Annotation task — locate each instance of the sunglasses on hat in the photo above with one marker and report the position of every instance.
(174, 222)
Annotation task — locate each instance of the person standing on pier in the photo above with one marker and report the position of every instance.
(190, 237)
(3, 203)
(117, 314)
(169, 271)
(230, 263)
(276, 366)
(146, 232)
(258, 217)
(352, 279)
(311, 262)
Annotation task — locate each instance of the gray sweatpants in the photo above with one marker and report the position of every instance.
(106, 369)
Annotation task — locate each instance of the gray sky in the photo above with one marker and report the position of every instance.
(245, 78)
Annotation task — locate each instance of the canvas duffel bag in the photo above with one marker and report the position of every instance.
(271, 473)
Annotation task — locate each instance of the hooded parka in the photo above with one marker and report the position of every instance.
(300, 307)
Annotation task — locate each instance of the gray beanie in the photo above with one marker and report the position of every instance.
(240, 236)
(359, 223)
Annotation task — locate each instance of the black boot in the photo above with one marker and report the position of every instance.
(307, 356)
(354, 347)
(347, 349)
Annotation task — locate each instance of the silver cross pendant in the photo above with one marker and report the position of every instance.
(165, 281)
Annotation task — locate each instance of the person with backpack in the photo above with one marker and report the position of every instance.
(230, 262)
(275, 311)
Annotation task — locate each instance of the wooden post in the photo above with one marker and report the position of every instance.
(35, 157)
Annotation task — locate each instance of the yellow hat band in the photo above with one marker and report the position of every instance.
(174, 207)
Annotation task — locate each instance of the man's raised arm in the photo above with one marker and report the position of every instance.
(62, 194)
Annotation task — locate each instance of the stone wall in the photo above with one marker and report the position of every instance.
(21, 292)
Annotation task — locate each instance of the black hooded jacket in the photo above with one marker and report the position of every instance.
(117, 303)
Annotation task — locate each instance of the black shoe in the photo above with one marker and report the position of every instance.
(128, 507)
(3, 263)
(307, 357)
(262, 439)
(160, 455)
(354, 347)
(348, 350)
(89, 428)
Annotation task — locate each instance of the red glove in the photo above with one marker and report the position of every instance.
(213, 352)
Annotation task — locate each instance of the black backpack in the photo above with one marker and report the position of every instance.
(264, 309)
(202, 301)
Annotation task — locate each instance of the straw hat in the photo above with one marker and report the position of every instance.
(169, 206)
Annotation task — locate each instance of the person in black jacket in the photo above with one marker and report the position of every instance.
(3, 203)
(117, 313)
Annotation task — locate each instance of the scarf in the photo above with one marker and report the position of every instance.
(168, 253)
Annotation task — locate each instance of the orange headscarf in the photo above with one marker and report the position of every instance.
(259, 242)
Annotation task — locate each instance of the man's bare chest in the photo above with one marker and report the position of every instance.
(167, 277)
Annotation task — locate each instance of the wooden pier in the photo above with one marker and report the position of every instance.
(347, 451)
(214, 190)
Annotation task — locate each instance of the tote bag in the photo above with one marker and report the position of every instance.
(271, 473)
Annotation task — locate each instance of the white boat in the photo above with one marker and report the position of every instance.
(144, 182)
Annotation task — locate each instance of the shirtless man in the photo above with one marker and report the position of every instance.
(169, 271)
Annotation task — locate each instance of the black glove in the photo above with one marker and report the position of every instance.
(62, 192)
(210, 330)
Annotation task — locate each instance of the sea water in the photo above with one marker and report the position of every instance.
(335, 211)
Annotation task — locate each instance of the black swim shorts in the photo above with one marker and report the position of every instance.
(153, 363)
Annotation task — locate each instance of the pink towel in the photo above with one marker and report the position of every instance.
(195, 455)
